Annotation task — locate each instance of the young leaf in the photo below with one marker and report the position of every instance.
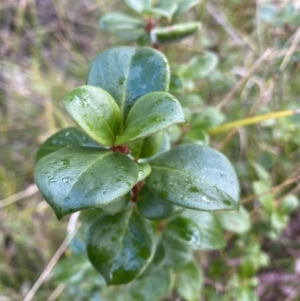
(78, 178)
(200, 67)
(117, 205)
(144, 171)
(96, 112)
(196, 177)
(177, 254)
(174, 33)
(189, 281)
(152, 113)
(138, 5)
(124, 72)
(72, 136)
(236, 222)
(212, 236)
(152, 207)
(184, 230)
(120, 246)
(144, 148)
(123, 26)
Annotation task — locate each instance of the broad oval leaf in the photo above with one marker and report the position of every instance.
(152, 207)
(123, 26)
(71, 136)
(96, 112)
(145, 148)
(152, 113)
(78, 178)
(174, 33)
(124, 72)
(189, 281)
(212, 236)
(120, 246)
(196, 177)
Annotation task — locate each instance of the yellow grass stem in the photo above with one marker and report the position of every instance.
(251, 120)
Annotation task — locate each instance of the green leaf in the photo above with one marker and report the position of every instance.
(154, 287)
(177, 254)
(124, 72)
(185, 5)
(196, 177)
(208, 118)
(78, 178)
(266, 199)
(152, 207)
(288, 204)
(117, 205)
(236, 222)
(189, 281)
(184, 230)
(144, 171)
(138, 5)
(200, 67)
(123, 26)
(120, 246)
(212, 236)
(96, 112)
(156, 263)
(144, 148)
(174, 33)
(71, 136)
(152, 113)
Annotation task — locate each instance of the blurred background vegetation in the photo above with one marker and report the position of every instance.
(46, 47)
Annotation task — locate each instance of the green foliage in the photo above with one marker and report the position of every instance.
(141, 163)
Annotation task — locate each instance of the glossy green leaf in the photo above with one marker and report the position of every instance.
(152, 113)
(212, 236)
(184, 230)
(196, 177)
(200, 67)
(123, 26)
(138, 5)
(78, 178)
(71, 136)
(144, 171)
(144, 148)
(120, 246)
(124, 72)
(96, 112)
(236, 222)
(152, 207)
(174, 33)
(189, 281)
